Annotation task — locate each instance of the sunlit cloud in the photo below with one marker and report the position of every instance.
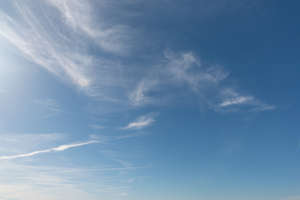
(58, 39)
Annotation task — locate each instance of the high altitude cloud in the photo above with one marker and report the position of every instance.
(140, 122)
(58, 37)
(231, 98)
(62, 36)
(186, 71)
(55, 149)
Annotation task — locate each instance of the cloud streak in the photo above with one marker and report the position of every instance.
(59, 37)
(55, 149)
(140, 122)
(231, 100)
(236, 101)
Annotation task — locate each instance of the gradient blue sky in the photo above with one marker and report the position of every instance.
(149, 100)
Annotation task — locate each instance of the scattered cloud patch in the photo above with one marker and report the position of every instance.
(186, 68)
(59, 39)
(185, 72)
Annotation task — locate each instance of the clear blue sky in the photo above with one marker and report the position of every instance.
(149, 100)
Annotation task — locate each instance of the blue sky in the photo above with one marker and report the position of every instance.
(149, 100)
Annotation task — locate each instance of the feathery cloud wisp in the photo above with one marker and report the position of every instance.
(140, 123)
(232, 100)
(236, 101)
(55, 149)
(206, 81)
(58, 39)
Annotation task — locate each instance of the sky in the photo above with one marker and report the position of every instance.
(149, 100)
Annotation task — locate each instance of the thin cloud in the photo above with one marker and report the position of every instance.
(79, 16)
(55, 149)
(206, 81)
(58, 39)
(237, 101)
(231, 100)
(138, 96)
(176, 70)
(140, 122)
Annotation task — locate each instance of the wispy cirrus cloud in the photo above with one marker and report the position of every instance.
(59, 37)
(46, 47)
(236, 101)
(230, 98)
(141, 122)
(66, 181)
(113, 38)
(55, 149)
(187, 73)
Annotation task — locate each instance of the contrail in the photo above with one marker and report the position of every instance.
(55, 149)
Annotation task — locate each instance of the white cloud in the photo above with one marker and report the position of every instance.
(79, 15)
(58, 36)
(236, 101)
(139, 95)
(43, 46)
(187, 68)
(187, 73)
(140, 122)
(175, 72)
(12, 143)
(55, 149)
(231, 99)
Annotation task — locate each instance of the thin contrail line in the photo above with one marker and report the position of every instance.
(55, 149)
